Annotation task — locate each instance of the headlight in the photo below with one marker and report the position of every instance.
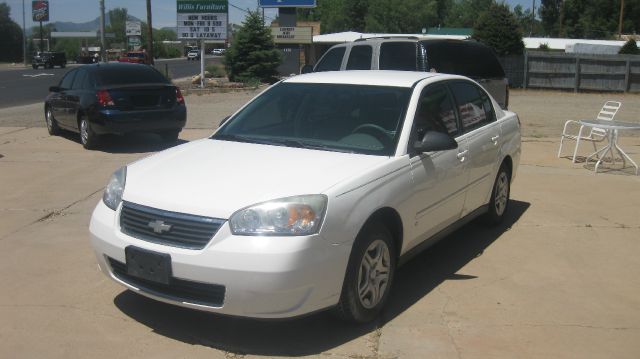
(291, 216)
(113, 192)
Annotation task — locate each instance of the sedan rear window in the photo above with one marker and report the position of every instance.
(125, 75)
(332, 117)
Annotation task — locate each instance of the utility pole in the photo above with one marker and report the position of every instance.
(533, 18)
(102, 43)
(149, 33)
(620, 21)
(24, 36)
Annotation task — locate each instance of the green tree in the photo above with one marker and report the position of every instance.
(630, 48)
(523, 17)
(401, 16)
(118, 25)
(497, 27)
(464, 13)
(549, 12)
(11, 38)
(333, 16)
(253, 55)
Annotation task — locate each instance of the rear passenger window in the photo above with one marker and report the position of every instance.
(360, 58)
(398, 56)
(331, 60)
(474, 106)
(67, 81)
(80, 81)
(453, 58)
(435, 112)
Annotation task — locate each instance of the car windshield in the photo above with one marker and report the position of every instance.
(332, 117)
(125, 75)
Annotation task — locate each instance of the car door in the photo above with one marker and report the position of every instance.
(482, 131)
(59, 103)
(438, 178)
(75, 95)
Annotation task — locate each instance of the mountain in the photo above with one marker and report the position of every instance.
(92, 25)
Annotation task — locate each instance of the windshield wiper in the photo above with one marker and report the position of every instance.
(286, 142)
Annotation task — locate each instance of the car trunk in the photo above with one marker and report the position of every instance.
(143, 97)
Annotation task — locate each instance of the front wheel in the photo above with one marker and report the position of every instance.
(88, 138)
(52, 124)
(499, 196)
(369, 275)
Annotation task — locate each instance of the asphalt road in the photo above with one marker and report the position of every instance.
(20, 86)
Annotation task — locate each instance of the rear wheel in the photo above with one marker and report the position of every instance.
(88, 138)
(369, 275)
(499, 196)
(52, 124)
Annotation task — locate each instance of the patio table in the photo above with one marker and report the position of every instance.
(612, 127)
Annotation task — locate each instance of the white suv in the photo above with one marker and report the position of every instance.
(310, 195)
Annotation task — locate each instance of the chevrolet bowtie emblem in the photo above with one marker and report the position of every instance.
(159, 226)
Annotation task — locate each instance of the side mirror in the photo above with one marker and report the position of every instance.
(306, 69)
(223, 121)
(435, 141)
(54, 89)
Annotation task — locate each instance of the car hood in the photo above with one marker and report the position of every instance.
(216, 178)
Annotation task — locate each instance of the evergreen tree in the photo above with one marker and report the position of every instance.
(11, 38)
(498, 28)
(630, 48)
(253, 55)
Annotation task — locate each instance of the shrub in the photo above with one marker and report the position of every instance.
(216, 70)
(498, 28)
(630, 48)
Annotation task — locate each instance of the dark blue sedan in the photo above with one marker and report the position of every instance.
(115, 98)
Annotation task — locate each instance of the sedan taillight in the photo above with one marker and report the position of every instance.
(179, 97)
(104, 99)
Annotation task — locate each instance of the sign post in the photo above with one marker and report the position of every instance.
(40, 11)
(202, 20)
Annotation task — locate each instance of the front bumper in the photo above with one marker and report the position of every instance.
(262, 277)
(112, 121)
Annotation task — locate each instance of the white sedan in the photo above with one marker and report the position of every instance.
(310, 195)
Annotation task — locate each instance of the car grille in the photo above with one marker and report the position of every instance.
(171, 228)
(178, 290)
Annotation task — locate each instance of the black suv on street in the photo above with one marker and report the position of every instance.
(49, 59)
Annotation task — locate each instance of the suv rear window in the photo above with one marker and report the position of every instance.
(398, 56)
(360, 58)
(124, 75)
(331, 60)
(453, 58)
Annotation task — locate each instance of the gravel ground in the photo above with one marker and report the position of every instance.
(542, 113)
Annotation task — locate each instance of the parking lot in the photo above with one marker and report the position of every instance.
(560, 278)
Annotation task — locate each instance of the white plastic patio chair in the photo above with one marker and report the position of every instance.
(607, 113)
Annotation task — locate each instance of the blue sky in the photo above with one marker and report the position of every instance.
(164, 11)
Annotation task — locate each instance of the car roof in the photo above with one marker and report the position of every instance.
(366, 77)
(111, 65)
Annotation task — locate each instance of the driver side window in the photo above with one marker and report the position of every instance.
(435, 112)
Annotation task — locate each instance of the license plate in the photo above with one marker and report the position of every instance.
(148, 265)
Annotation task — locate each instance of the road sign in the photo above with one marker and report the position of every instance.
(202, 19)
(292, 35)
(40, 10)
(134, 28)
(287, 3)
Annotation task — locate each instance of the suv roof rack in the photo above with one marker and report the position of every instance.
(387, 37)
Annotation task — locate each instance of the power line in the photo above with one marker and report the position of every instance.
(247, 11)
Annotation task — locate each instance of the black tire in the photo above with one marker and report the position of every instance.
(50, 121)
(359, 303)
(88, 138)
(170, 136)
(499, 203)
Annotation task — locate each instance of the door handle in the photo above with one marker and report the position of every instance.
(462, 155)
(495, 138)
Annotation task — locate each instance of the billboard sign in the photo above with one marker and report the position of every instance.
(292, 35)
(134, 28)
(287, 3)
(202, 19)
(40, 10)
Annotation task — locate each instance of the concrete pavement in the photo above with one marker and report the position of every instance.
(559, 279)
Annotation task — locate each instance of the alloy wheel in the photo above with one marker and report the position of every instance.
(84, 131)
(502, 193)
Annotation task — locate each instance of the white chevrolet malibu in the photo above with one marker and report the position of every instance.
(310, 195)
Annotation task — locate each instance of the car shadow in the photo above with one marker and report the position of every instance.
(128, 144)
(321, 331)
